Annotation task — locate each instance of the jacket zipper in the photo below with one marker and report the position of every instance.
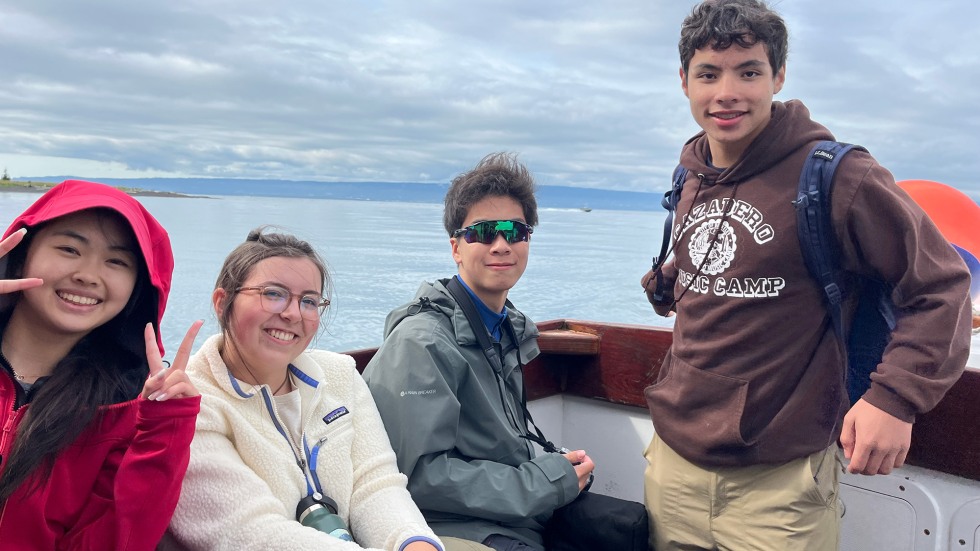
(281, 428)
(8, 425)
(299, 452)
(510, 398)
(520, 369)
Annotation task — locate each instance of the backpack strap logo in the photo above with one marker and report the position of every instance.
(828, 155)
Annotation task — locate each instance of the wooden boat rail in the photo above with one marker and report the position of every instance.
(615, 362)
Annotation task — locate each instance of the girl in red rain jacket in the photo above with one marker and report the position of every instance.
(95, 431)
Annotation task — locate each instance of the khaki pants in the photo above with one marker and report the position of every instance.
(457, 544)
(788, 507)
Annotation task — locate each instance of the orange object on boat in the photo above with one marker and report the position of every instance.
(958, 218)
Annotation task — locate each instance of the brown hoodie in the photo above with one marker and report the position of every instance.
(755, 373)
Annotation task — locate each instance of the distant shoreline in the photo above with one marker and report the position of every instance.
(548, 196)
(17, 186)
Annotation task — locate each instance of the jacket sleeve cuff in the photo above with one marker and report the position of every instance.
(420, 538)
(560, 473)
(151, 410)
(884, 399)
(665, 307)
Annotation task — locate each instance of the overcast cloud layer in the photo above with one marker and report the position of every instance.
(394, 90)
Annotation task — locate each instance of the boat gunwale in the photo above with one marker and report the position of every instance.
(615, 362)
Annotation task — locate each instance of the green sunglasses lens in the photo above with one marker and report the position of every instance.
(486, 232)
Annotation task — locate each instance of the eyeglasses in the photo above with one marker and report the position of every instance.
(486, 232)
(275, 300)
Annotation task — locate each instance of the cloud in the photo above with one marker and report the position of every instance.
(389, 90)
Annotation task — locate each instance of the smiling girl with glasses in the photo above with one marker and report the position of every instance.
(283, 427)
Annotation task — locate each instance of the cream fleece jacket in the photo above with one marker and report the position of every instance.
(244, 478)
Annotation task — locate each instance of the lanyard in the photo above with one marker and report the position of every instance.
(456, 289)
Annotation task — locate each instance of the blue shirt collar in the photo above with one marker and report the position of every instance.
(492, 320)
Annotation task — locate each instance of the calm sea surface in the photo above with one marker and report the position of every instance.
(583, 265)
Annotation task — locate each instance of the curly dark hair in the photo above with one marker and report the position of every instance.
(721, 23)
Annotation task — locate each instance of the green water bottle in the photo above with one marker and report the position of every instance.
(320, 512)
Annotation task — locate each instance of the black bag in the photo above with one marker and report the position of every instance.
(598, 522)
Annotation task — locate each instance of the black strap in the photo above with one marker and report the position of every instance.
(469, 310)
(815, 228)
(669, 202)
(465, 303)
(875, 315)
(814, 225)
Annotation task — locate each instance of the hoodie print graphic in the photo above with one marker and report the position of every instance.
(713, 245)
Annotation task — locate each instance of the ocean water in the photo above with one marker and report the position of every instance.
(583, 265)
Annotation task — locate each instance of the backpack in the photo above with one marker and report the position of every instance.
(874, 316)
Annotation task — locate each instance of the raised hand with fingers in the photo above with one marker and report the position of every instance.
(165, 383)
(14, 285)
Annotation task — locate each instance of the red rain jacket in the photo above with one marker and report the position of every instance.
(117, 485)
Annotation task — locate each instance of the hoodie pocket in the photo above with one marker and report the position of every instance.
(696, 406)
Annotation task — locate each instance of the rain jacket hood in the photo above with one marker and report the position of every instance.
(117, 484)
(72, 196)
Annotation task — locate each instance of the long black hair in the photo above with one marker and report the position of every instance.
(107, 366)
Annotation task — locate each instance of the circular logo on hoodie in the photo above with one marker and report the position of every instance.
(716, 240)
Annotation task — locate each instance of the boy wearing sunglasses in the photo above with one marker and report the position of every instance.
(750, 402)
(456, 420)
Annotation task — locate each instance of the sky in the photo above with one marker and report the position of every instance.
(586, 92)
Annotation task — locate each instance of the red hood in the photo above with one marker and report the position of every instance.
(75, 195)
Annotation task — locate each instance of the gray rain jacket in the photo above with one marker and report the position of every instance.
(456, 426)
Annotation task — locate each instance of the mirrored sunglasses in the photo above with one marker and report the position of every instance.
(485, 232)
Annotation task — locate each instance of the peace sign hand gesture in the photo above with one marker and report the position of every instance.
(165, 383)
(14, 285)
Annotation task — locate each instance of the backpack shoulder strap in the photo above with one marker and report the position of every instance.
(465, 303)
(669, 202)
(456, 289)
(815, 229)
